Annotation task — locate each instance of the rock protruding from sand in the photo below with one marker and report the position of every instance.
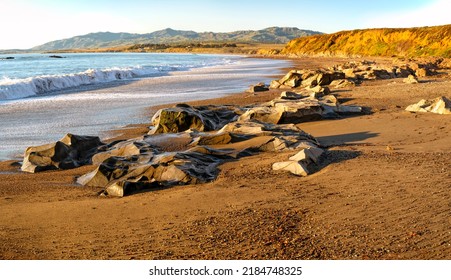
(299, 163)
(128, 166)
(440, 105)
(186, 144)
(306, 78)
(183, 117)
(411, 79)
(258, 88)
(70, 152)
(125, 175)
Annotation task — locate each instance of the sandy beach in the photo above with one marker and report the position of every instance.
(382, 193)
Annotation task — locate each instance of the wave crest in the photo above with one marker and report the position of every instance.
(21, 88)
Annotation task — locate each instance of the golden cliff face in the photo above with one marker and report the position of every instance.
(407, 42)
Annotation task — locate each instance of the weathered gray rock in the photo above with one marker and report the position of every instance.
(184, 117)
(297, 112)
(258, 88)
(310, 154)
(71, 151)
(290, 95)
(379, 74)
(291, 79)
(122, 176)
(342, 83)
(264, 114)
(404, 71)
(319, 90)
(301, 163)
(440, 105)
(133, 147)
(294, 167)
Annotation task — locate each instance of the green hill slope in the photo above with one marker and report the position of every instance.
(280, 35)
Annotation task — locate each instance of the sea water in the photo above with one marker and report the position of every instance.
(43, 98)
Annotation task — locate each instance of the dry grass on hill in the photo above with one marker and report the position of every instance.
(408, 42)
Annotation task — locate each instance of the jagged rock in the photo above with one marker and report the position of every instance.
(184, 117)
(122, 176)
(295, 167)
(263, 114)
(404, 71)
(290, 95)
(297, 112)
(134, 147)
(341, 83)
(374, 74)
(110, 169)
(422, 72)
(319, 89)
(258, 88)
(440, 105)
(411, 79)
(326, 78)
(214, 138)
(274, 84)
(311, 81)
(300, 163)
(349, 73)
(291, 79)
(310, 154)
(291, 134)
(445, 63)
(284, 111)
(177, 119)
(71, 151)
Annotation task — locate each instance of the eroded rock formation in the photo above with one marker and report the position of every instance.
(440, 105)
(185, 144)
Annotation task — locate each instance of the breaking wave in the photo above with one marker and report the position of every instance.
(21, 88)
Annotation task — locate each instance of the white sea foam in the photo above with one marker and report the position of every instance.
(21, 88)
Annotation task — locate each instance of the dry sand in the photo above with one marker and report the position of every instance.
(383, 193)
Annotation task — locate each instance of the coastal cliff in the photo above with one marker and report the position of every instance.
(407, 42)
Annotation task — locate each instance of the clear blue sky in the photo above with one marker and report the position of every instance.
(27, 23)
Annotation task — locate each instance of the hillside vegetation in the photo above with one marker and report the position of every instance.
(402, 42)
(272, 35)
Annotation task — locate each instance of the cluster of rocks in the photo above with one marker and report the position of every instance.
(440, 105)
(307, 78)
(352, 73)
(186, 144)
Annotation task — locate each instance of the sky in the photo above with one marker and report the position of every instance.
(28, 23)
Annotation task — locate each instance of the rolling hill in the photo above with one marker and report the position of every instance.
(407, 42)
(279, 35)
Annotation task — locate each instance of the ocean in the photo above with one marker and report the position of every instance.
(42, 98)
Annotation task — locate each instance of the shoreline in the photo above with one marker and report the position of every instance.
(84, 112)
(381, 194)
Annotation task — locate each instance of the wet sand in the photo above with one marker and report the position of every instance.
(382, 193)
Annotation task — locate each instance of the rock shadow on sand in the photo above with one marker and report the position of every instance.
(345, 139)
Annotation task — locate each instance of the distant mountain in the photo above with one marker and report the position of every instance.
(278, 35)
(409, 42)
